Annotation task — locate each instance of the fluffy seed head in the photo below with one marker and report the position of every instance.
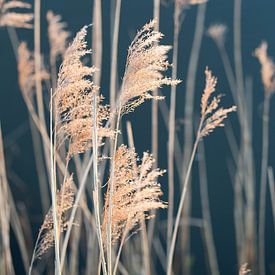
(212, 116)
(268, 68)
(146, 63)
(15, 19)
(64, 202)
(58, 37)
(136, 192)
(74, 99)
(217, 32)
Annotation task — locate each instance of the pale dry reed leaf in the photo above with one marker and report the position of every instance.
(244, 270)
(15, 19)
(64, 202)
(212, 116)
(58, 36)
(268, 67)
(146, 63)
(26, 72)
(217, 32)
(74, 99)
(135, 192)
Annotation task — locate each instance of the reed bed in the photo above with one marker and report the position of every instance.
(105, 207)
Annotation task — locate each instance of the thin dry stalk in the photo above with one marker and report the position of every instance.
(212, 116)
(207, 229)
(146, 62)
(5, 251)
(272, 192)
(268, 79)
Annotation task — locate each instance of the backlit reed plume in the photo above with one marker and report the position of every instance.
(212, 116)
(135, 192)
(74, 98)
(217, 32)
(15, 19)
(268, 67)
(58, 36)
(186, 3)
(146, 62)
(64, 202)
(26, 75)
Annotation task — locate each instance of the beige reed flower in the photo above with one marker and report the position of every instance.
(212, 115)
(136, 192)
(64, 202)
(15, 19)
(58, 36)
(268, 67)
(74, 99)
(146, 63)
(217, 32)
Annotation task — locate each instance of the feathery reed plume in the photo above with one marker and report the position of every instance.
(268, 67)
(74, 98)
(244, 270)
(15, 19)
(26, 75)
(217, 32)
(64, 202)
(212, 116)
(136, 192)
(145, 63)
(58, 37)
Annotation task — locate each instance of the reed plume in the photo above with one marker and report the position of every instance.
(217, 33)
(74, 98)
(64, 202)
(26, 73)
(15, 19)
(212, 116)
(136, 192)
(58, 36)
(268, 67)
(146, 62)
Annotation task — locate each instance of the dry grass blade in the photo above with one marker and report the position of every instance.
(74, 98)
(145, 63)
(136, 192)
(58, 36)
(268, 68)
(15, 19)
(64, 202)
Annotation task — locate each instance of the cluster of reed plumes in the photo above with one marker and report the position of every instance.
(101, 202)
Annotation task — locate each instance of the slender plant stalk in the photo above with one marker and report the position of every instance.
(53, 196)
(264, 166)
(115, 33)
(109, 224)
(171, 132)
(272, 192)
(189, 122)
(96, 188)
(208, 232)
(182, 200)
(154, 129)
